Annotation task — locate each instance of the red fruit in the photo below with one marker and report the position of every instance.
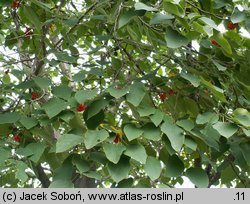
(81, 107)
(17, 138)
(15, 4)
(231, 25)
(34, 95)
(214, 43)
(28, 32)
(171, 92)
(163, 96)
(117, 139)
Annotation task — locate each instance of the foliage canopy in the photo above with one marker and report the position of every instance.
(124, 93)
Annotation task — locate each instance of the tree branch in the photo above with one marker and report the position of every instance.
(57, 44)
(41, 175)
(203, 11)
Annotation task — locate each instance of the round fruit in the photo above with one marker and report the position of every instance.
(81, 107)
(17, 138)
(214, 43)
(231, 25)
(163, 96)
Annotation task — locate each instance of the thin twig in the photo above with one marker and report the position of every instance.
(77, 24)
(206, 12)
(230, 159)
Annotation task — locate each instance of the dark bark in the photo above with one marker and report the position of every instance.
(84, 182)
(214, 178)
(41, 175)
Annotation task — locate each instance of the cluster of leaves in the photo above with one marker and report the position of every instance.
(115, 92)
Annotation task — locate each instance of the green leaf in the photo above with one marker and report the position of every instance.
(36, 150)
(20, 173)
(219, 66)
(79, 77)
(28, 122)
(39, 149)
(245, 149)
(126, 183)
(157, 117)
(204, 135)
(153, 168)
(84, 95)
(5, 3)
(194, 80)
(9, 118)
(6, 79)
(134, 35)
(94, 137)
(136, 93)
(218, 92)
(225, 129)
(247, 132)
(242, 116)
(174, 39)
(191, 107)
(164, 154)
(99, 157)
(237, 153)
(118, 92)
(206, 5)
(174, 166)
(207, 117)
(219, 38)
(145, 110)
(62, 184)
(144, 183)
(65, 170)
(113, 152)
(45, 6)
(248, 25)
(96, 71)
(136, 152)
(81, 164)
(142, 6)
(5, 129)
(209, 22)
(32, 16)
(93, 174)
(120, 170)
(62, 91)
(54, 106)
(67, 116)
(151, 132)
(93, 122)
(174, 9)
(95, 107)
(132, 132)
(4, 155)
(238, 16)
(190, 143)
(125, 18)
(43, 83)
(227, 175)
(175, 135)
(65, 57)
(198, 177)
(26, 151)
(67, 141)
(116, 65)
(160, 18)
(210, 132)
(186, 124)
